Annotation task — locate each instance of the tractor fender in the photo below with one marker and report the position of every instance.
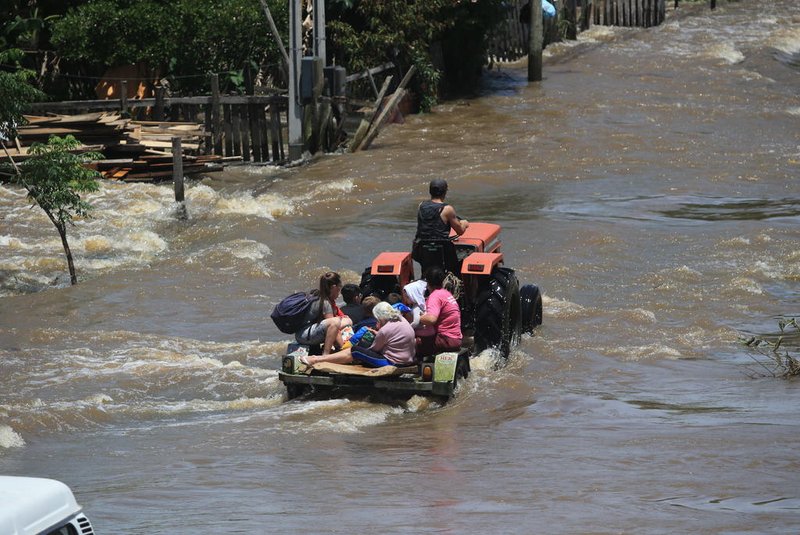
(484, 237)
(481, 263)
(397, 264)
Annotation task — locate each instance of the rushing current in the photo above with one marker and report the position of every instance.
(648, 185)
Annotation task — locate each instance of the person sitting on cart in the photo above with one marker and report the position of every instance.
(435, 217)
(324, 321)
(367, 306)
(443, 313)
(414, 297)
(352, 302)
(394, 341)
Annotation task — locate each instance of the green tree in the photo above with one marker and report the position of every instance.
(445, 39)
(17, 95)
(182, 40)
(54, 178)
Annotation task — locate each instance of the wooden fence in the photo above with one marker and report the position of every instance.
(642, 13)
(246, 126)
(510, 39)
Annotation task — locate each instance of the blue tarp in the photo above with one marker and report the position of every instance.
(548, 9)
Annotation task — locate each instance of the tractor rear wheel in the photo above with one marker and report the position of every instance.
(497, 312)
(531, 299)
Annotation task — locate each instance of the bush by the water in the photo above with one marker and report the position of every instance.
(774, 358)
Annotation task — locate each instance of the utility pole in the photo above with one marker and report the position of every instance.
(318, 14)
(295, 54)
(535, 43)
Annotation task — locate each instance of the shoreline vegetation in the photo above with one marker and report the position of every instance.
(775, 359)
(74, 47)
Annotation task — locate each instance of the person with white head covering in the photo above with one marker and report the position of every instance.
(394, 341)
(414, 297)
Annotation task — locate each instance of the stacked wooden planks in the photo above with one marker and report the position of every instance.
(159, 134)
(95, 131)
(129, 147)
(155, 166)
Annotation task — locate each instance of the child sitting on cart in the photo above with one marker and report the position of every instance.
(394, 341)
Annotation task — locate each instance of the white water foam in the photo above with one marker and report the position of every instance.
(600, 33)
(125, 230)
(10, 438)
(12, 243)
(266, 206)
(195, 406)
(746, 284)
(352, 421)
(418, 403)
(242, 249)
(768, 269)
(725, 51)
(487, 360)
(644, 352)
(736, 242)
(639, 315)
(203, 199)
(323, 191)
(786, 40)
(560, 308)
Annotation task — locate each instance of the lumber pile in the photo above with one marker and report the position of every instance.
(158, 134)
(155, 166)
(133, 150)
(95, 131)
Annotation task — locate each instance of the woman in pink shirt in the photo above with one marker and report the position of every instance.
(441, 311)
(394, 340)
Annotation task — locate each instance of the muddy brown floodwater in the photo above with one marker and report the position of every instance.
(648, 185)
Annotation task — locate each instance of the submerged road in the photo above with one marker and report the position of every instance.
(647, 184)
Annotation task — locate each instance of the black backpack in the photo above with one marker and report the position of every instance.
(290, 314)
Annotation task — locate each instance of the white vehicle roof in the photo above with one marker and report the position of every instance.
(31, 505)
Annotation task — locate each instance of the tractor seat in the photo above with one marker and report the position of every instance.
(440, 253)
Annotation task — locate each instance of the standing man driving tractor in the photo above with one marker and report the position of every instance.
(435, 217)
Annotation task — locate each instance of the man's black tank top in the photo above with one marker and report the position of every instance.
(429, 222)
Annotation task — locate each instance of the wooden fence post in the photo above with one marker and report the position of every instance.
(572, 23)
(216, 119)
(226, 129)
(177, 168)
(158, 110)
(123, 96)
(275, 131)
(585, 20)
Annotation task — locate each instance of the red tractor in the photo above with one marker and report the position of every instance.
(495, 311)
